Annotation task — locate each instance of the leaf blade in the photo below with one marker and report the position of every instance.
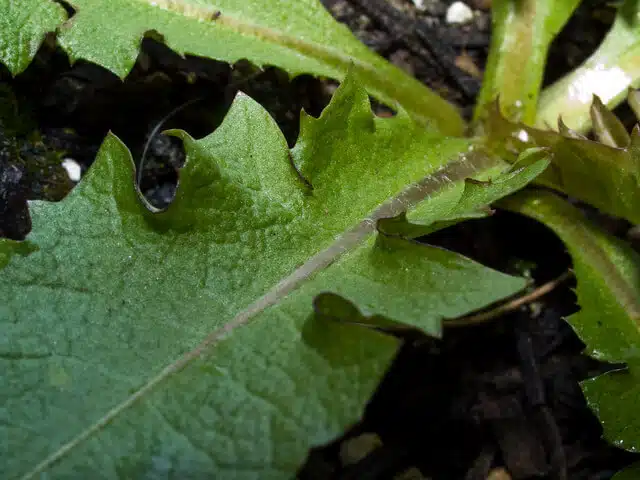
(468, 199)
(297, 36)
(23, 26)
(125, 296)
(608, 275)
(604, 176)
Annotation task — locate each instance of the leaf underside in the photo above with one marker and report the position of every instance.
(105, 306)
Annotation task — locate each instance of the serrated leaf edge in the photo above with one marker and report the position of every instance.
(443, 116)
(454, 171)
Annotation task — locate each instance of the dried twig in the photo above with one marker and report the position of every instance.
(510, 306)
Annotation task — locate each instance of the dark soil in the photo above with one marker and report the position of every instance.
(500, 394)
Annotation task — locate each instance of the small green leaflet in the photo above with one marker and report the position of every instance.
(144, 344)
(608, 274)
(299, 36)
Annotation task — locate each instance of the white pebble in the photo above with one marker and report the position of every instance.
(73, 169)
(420, 6)
(523, 136)
(458, 13)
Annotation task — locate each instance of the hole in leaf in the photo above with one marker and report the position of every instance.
(74, 106)
(380, 109)
(67, 7)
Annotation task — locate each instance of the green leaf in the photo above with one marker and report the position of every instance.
(298, 36)
(522, 33)
(607, 73)
(607, 177)
(23, 25)
(629, 473)
(634, 102)
(608, 274)
(468, 199)
(183, 343)
(608, 129)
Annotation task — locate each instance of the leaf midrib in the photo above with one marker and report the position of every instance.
(463, 167)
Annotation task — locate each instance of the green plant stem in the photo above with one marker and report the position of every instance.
(608, 73)
(522, 33)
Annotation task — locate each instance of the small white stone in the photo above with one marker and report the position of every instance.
(420, 6)
(458, 13)
(523, 136)
(73, 169)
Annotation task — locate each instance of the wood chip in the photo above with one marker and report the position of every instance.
(499, 474)
(465, 63)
